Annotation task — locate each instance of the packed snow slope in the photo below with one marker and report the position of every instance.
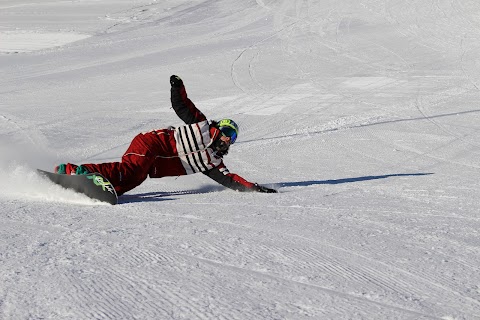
(363, 114)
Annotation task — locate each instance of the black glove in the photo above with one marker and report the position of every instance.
(263, 189)
(176, 81)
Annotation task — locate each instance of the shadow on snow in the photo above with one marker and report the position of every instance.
(166, 196)
(348, 180)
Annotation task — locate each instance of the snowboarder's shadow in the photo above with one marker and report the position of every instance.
(146, 197)
(172, 195)
(166, 195)
(349, 180)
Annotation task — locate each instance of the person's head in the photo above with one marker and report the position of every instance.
(229, 133)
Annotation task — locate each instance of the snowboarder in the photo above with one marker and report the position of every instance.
(198, 146)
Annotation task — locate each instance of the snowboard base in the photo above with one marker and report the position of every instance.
(93, 185)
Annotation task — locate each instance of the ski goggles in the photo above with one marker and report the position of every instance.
(229, 132)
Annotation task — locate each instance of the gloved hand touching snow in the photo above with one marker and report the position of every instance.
(259, 188)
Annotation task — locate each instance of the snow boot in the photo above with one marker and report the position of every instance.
(70, 168)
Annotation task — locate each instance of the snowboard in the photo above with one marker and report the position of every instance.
(93, 185)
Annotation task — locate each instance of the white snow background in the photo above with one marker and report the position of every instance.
(364, 115)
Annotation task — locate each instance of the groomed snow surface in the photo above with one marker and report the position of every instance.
(364, 115)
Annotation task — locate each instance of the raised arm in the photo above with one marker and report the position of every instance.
(183, 106)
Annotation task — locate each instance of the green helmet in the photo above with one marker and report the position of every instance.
(229, 128)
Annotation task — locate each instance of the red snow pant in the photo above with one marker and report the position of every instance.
(153, 151)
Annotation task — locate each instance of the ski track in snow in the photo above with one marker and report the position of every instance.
(363, 115)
